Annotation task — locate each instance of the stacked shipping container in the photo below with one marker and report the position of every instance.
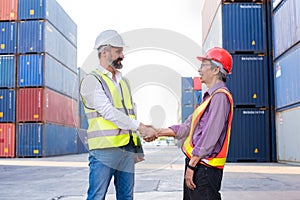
(191, 96)
(242, 28)
(38, 69)
(8, 49)
(286, 14)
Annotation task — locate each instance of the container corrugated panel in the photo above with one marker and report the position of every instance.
(41, 37)
(250, 135)
(46, 105)
(51, 11)
(82, 144)
(7, 140)
(83, 120)
(287, 82)
(244, 27)
(288, 137)
(38, 140)
(7, 105)
(7, 71)
(284, 19)
(248, 82)
(186, 111)
(71, 116)
(187, 98)
(43, 70)
(8, 37)
(70, 83)
(186, 84)
(297, 19)
(8, 10)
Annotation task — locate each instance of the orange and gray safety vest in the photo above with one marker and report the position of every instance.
(219, 160)
(101, 132)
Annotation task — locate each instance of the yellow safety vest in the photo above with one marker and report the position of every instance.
(220, 159)
(101, 132)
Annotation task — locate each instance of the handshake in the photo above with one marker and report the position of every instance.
(148, 132)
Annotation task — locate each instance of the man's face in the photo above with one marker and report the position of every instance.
(205, 71)
(115, 57)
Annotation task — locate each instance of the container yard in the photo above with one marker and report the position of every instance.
(43, 126)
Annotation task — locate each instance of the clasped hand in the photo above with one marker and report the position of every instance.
(149, 133)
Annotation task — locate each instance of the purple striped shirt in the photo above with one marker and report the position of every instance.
(211, 130)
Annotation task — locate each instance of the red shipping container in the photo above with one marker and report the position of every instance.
(45, 105)
(71, 118)
(7, 140)
(197, 83)
(8, 10)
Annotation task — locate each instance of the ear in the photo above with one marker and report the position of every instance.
(217, 70)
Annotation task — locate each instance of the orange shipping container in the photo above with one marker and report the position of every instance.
(8, 10)
(7, 140)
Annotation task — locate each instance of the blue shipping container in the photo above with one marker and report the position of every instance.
(186, 84)
(187, 97)
(83, 120)
(284, 27)
(7, 105)
(51, 11)
(37, 140)
(244, 27)
(248, 82)
(70, 83)
(8, 37)
(7, 71)
(186, 111)
(197, 98)
(82, 141)
(250, 135)
(43, 70)
(287, 81)
(42, 37)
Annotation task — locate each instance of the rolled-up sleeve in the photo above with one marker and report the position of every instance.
(182, 130)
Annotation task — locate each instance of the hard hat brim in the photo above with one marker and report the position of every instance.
(203, 58)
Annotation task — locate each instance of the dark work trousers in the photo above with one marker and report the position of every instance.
(208, 184)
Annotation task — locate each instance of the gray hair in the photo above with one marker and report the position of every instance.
(222, 73)
(102, 48)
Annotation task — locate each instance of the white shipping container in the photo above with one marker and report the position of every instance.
(209, 10)
(287, 135)
(214, 36)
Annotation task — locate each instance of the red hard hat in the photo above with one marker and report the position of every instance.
(220, 55)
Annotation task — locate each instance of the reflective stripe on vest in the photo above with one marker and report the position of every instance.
(101, 132)
(220, 159)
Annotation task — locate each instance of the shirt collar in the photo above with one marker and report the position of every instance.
(109, 74)
(214, 88)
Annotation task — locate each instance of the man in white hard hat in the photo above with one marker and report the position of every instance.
(114, 145)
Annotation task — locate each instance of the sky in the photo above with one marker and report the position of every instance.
(158, 100)
(94, 16)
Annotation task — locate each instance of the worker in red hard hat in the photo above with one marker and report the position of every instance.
(205, 135)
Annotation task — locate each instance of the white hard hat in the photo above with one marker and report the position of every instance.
(109, 37)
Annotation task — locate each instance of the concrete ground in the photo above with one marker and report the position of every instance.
(159, 177)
